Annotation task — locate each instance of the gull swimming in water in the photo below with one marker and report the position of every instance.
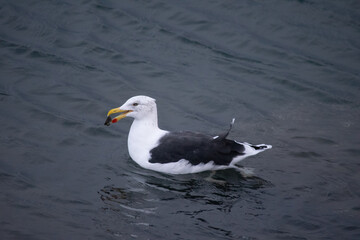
(177, 152)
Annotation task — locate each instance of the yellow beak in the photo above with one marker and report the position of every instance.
(116, 110)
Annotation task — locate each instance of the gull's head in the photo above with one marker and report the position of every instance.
(137, 107)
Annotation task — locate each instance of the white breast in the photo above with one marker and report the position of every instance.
(142, 138)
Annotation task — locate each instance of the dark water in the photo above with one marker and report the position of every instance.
(289, 71)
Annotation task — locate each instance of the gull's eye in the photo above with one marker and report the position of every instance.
(135, 104)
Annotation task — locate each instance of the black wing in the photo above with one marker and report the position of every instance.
(196, 148)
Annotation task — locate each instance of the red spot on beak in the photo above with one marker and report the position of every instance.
(114, 120)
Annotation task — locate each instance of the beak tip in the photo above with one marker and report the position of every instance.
(108, 121)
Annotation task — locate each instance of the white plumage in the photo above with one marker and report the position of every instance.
(177, 152)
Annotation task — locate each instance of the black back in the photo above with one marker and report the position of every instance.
(196, 148)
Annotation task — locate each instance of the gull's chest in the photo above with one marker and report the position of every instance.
(140, 142)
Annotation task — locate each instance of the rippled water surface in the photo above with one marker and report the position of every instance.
(289, 71)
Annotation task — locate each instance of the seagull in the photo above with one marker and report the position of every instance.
(180, 152)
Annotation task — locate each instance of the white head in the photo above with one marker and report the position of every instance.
(138, 107)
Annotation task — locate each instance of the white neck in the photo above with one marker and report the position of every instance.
(143, 136)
